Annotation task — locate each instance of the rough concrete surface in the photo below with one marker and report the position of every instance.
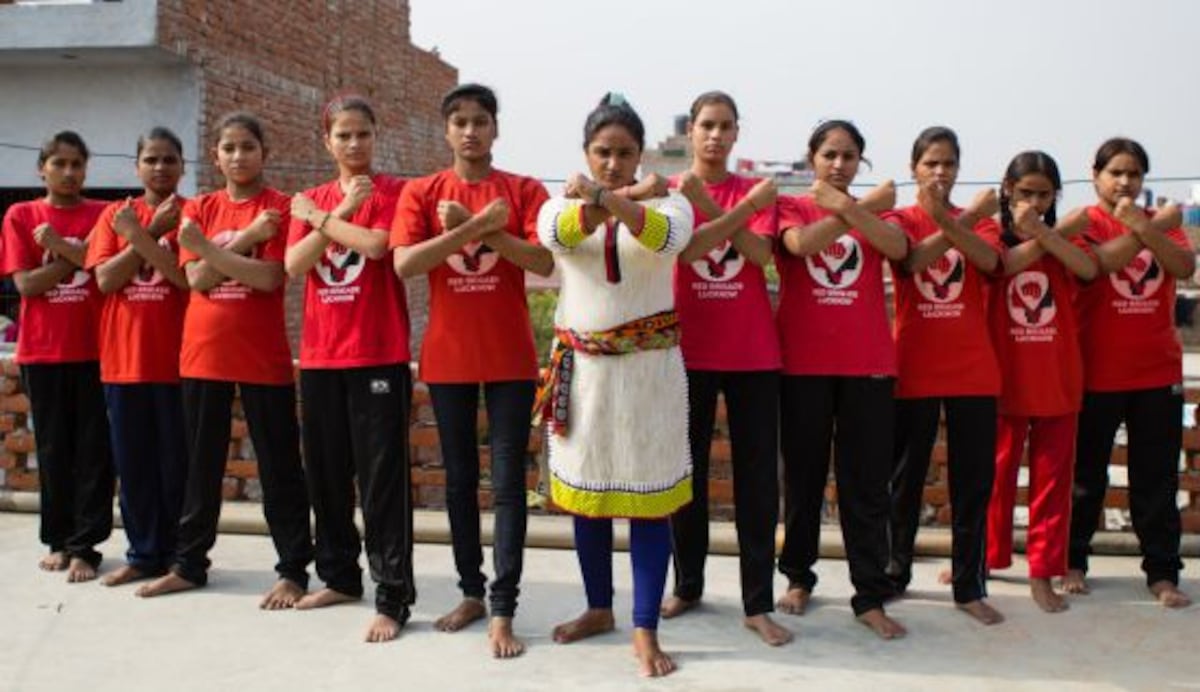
(59, 636)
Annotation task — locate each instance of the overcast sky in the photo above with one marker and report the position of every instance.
(1059, 75)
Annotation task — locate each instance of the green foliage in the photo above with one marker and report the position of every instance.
(541, 313)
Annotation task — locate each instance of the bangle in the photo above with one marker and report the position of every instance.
(596, 197)
(321, 226)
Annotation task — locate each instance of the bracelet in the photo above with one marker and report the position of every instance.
(596, 197)
(321, 226)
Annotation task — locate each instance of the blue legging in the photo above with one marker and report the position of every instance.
(650, 553)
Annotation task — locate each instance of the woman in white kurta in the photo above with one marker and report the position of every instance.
(616, 396)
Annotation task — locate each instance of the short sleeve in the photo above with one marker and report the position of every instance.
(765, 222)
(19, 252)
(794, 212)
(297, 229)
(383, 204)
(533, 196)
(103, 243)
(408, 223)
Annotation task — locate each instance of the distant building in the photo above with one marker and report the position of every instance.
(110, 70)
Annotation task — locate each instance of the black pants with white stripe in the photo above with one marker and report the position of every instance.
(855, 415)
(356, 425)
(971, 447)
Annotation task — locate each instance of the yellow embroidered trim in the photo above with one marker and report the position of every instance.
(617, 503)
(569, 227)
(656, 230)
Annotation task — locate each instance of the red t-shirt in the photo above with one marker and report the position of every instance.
(1126, 318)
(722, 301)
(1036, 337)
(233, 332)
(832, 318)
(941, 330)
(58, 326)
(141, 324)
(355, 314)
(479, 328)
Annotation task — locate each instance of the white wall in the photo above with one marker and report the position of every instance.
(108, 105)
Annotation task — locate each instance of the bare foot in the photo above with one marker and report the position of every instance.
(676, 606)
(594, 621)
(653, 662)
(882, 625)
(795, 601)
(945, 576)
(1046, 597)
(504, 643)
(470, 610)
(381, 629)
(54, 562)
(283, 595)
(1075, 582)
(981, 611)
(167, 583)
(325, 597)
(124, 575)
(767, 629)
(80, 570)
(1169, 594)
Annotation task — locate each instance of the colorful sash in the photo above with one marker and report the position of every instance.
(660, 331)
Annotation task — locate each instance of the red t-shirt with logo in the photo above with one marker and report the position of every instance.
(941, 329)
(479, 329)
(355, 314)
(832, 318)
(58, 326)
(722, 301)
(1126, 318)
(141, 324)
(233, 332)
(1035, 333)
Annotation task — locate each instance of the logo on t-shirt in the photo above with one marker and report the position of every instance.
(838, 265)
(1139, 279)
(75, 279)
(146, 274)
(942, 281)
(473, 259)
(339, 265)
(722, 263)
(1030, 302)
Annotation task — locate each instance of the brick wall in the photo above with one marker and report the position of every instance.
(18, 469)
(284, 60)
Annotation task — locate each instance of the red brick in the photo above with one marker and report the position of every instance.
(241, 468)
(720, 490)
(936, 495)
(9, 385)
(938, 455)
(428, 477)
(11, 369)
(1117, 498)
(238, 429)
(1120, 455)
(720, 452)
(1191, 439)
(1190, 520)
(423, 436)
(14, 403)
(20, 442)
(22, 480)
(8, 460)
(8, 422)
(1189, 482)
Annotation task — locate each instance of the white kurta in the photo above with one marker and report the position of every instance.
(626, 452)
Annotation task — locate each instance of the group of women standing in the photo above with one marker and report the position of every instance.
(1021, 328)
